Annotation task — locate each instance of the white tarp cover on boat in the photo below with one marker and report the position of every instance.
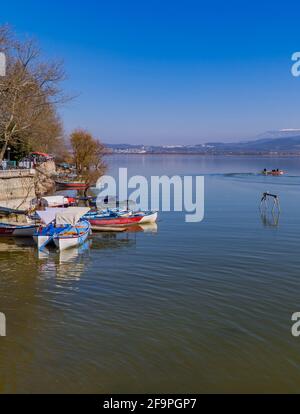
(71, 215)
(53, 201)
(49, 215)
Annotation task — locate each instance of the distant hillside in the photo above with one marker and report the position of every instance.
(265, 145)
(280, 145)
(281, 133)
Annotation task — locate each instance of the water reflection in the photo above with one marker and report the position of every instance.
(102, 241)
(270, 218)
(113, 240)
(203, 307)
(143, 228)
(66, 264)
(16, 244)
(98, 240)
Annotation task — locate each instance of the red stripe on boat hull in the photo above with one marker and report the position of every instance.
(118, 221)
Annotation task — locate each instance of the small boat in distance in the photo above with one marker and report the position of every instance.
(273, 172)
(77, 185)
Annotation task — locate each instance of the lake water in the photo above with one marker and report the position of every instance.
(202, 307)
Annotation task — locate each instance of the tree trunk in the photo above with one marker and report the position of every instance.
(2, 151)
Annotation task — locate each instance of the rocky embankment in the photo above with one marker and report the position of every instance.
(19, 187)
(44, 178)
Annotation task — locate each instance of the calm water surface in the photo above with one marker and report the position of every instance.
(200, 307)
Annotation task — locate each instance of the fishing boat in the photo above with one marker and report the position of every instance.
(63, 227)
(109, 213)
(273, 172)
(77, 185)
(119, 220)
(17, 230)
(54, 201)
(72, 236)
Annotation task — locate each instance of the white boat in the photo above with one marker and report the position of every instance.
(149, 218)
(73, 236)
(63, 227)
(54, 201)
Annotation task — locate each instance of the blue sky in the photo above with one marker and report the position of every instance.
(170, 71)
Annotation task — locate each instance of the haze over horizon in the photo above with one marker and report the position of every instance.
(171, 73)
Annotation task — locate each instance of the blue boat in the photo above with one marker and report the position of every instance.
(63, 227)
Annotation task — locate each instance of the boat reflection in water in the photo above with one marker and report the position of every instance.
(70, 264)
(270, 218)
(143, 228)
(8, 244)
(113, 240)
(67, 264)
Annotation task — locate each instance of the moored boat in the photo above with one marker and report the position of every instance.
(72, 236)
(54, 201)
(63, 227)
(16, 230)
(79, 185)
(117, 220)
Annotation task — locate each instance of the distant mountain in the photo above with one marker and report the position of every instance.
(276, 143)
(281, 133)
(289, 144)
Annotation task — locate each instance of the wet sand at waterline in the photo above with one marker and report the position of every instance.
(202, 307)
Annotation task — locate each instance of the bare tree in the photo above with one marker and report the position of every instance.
(28, 94)
(88, 155)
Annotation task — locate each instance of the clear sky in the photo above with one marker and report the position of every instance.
(170, 71)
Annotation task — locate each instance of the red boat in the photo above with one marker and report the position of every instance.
(77, 185)
(273, 172)
(123, 221)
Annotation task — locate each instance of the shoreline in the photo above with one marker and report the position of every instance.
(207, 155)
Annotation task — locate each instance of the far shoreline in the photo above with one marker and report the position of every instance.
(205, 155)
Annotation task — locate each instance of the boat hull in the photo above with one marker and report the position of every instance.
(63, 242)
(273, 173)
(44, 235)
(123, 221)
(24, 231)
(41, 241)
(74, 185)
(8, 230)
(149, 218)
